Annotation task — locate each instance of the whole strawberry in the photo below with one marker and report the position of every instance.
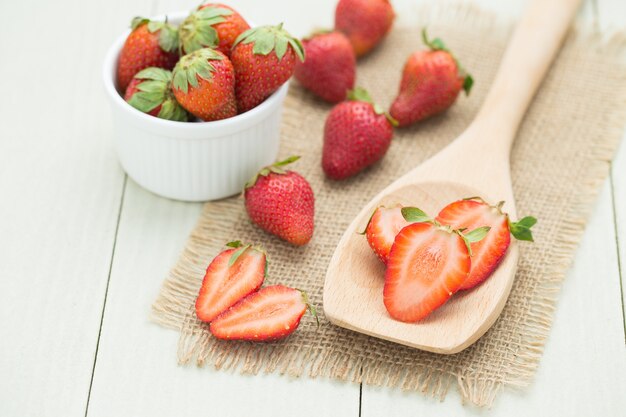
(150, 44)
(150, 91)
(204, 84)
(365, 22)
(330, 67)
(212, 25)
(281, 203)
(357, 134)
(264, 58)
(431, 82)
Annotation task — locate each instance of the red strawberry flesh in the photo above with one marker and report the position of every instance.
(272, 313)
(487, 253)
(426, 266)
(224, 285)
(382, 229)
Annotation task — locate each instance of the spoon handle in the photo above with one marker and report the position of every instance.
(526, 60)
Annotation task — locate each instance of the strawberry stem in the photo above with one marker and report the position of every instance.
(310, 306)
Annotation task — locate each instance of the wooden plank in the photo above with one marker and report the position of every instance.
(583, 370)
(136, 371)
(612, 16)
(61, 189)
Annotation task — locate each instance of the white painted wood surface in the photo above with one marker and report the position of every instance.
(61, 197)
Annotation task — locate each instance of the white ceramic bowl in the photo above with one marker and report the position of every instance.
(192, 161)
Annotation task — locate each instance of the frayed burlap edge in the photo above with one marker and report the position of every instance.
(173, 307)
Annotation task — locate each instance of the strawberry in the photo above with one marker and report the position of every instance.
(488, 253)
(204, 84)
(272, 313)
(264, 58)
(431, 82)
(211, 25)
(427, 264)
(330, 67)
(232, 275)
(150, 44)
(357, 134)
(281, 203)
(150, 91)
(382, 229)
(365, 22)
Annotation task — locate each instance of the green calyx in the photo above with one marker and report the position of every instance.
(415, 215)
(271, 38)
(194, 65)
(474, 236)
(520, 229)
(361, 94)
(197, 29)
(168, 34)
(438, 45)
(276, 168)
(241, 248)
(310, 306)
(155, 90)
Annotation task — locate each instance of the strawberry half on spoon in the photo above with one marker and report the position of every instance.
(427, 264)
(272, 313)
(232, 275)
(489, 252)
(382, 229)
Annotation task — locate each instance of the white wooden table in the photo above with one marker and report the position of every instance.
(83, 250)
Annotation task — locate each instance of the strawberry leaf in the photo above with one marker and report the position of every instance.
(287, 161)
(521, 229)
(435, 44)
(414, 215)
(468, 82)
(194, 65)
(171, 110)
(477, 235)
(197, 31)
(234, 244)
(138, 21)
(266, 39)
(237, 254)
(310, 307)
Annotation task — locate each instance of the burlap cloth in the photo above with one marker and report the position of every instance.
(560, 158)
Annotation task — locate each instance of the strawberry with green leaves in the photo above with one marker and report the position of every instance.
(150, 92)
(330, 67)
(357, 134)
(212, 25)
(264, 59)
(488, 253)
(364, 22)
(282, 203)
(204, 84)
(272, 313)
(431, 82)
(231, 276)
(150, 44)
(427, 264)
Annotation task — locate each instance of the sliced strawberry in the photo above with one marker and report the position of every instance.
(383, 228)
(272, 313)
(231, 276)
(427, 264)
(489, 252)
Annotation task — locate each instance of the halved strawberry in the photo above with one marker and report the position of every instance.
(272, 313)
(382, 229)
(231, 276)
(427, 264)
(489, 252)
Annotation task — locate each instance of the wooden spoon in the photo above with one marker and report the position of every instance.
(475, 164)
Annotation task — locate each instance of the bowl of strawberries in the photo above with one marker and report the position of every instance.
(197, 100)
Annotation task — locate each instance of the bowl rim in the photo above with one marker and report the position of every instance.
(240, 121)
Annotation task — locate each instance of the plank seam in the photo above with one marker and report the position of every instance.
(106, 291)
(617, 246)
